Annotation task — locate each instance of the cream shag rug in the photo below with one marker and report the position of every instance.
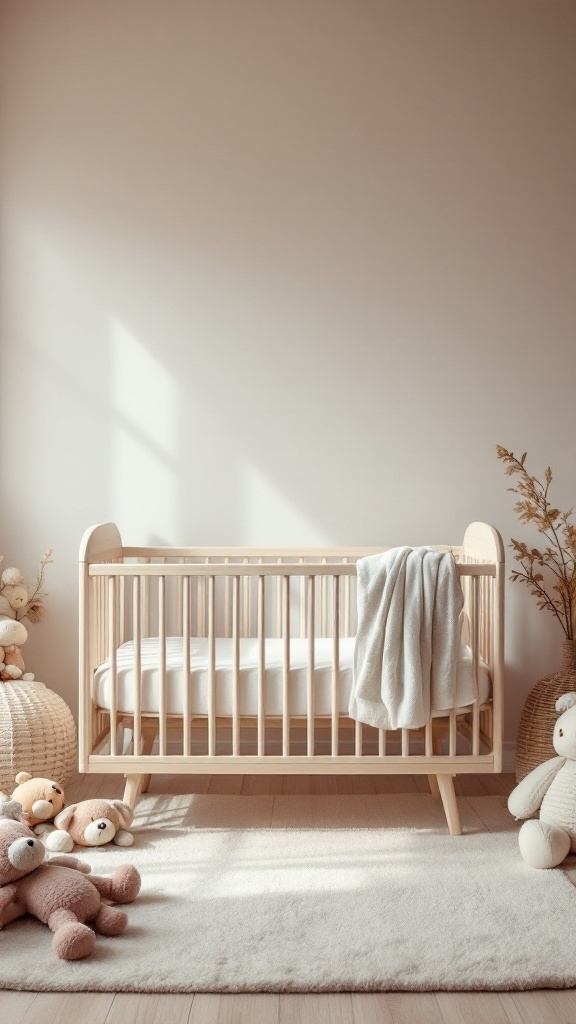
(318, 893)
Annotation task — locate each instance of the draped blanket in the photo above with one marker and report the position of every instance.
(409, 660)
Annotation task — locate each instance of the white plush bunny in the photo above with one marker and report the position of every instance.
(551, 787)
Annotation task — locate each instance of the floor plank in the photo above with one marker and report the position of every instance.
(295, 785)
(64, 1007)
(469, 785)
(15, 1006)
(498, 784)
(316, 1008)
(534, 1008)
(563, 1004)
(205, 1008)
(412, 1007)
(150, 1008)
(370, 1008)
(471, 1008)
(226, 785)
(251, 1008)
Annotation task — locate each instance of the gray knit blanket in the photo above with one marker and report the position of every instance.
(408, 657)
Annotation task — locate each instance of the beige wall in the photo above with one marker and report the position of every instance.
(283, 271)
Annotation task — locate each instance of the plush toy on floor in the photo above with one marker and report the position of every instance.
(41, 799)
(58, 892)
(89, 823)
(551, 787)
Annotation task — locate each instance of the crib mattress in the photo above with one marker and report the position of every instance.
(248, 681)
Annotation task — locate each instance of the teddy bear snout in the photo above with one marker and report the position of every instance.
(42, 809)
(99, 832)
(26, 854)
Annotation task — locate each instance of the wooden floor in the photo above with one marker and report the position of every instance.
(539, 1007)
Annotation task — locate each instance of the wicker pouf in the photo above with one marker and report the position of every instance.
(37, 733)
(539, 715)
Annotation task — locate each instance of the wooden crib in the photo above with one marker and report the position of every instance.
(239, 660)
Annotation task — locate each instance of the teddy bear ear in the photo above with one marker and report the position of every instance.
(63, 819)
(125, 812)
(566, 701)
(9, 808)
(22, 777)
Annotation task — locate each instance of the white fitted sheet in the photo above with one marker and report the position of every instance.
(248, 683)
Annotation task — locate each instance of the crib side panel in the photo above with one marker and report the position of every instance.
(101, 544)
(261, 595)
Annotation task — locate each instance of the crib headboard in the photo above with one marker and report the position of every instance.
(482, 543)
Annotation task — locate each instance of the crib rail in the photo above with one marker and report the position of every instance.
(132, 593)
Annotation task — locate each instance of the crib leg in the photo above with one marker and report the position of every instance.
(433, 783)
(132, 789)
(446, 787)
(149, 735)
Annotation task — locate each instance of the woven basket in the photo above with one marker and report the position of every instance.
(539, 715)
(37, 733)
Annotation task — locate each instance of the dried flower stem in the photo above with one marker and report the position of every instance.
(46, 560)
(559, 558)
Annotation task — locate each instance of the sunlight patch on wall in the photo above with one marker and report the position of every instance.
(143, 395)
(269, 517)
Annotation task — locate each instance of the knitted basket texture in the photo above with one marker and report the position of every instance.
(37, 733)
(539, 715)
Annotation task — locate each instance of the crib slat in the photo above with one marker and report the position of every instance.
(286, 666)
(475, 639)
(279, 602)
(227, 628)
(162, 653)
(302, 602)
(346, 602)
(475, 729)
(358, 739)
(211, 667)
(201, 603)
(452, 734)
(200, 606)
(112, 626)
(137, 639)
(236, 664)
(324, 604)
(246, 603)
(428, 745)
(97, 630)
(104, 617)
(185, 600)
(179, 607)
(121, 612)
(147, 585)
(335, 657)
(261, 664)
(310, 678)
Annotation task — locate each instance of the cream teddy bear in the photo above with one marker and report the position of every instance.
(89, 823)
(41, 799)
(12, 635)
(551, 788)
